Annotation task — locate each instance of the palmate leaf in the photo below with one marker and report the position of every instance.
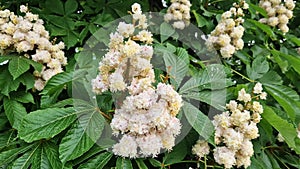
(46, 123)
(98, 162)
(83, 134)
(14, 111)
(286, 129)
(199, 121)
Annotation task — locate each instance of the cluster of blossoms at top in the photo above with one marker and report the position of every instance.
(179, 13)
(234, 130)
(27, 36)
(278, 13)
(227, 36)
(146, 119)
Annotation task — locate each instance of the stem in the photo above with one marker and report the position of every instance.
(244, 77)
(103, 114)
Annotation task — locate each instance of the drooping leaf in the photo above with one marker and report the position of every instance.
(46, 123)
(199, 121)
(14, 111)
(98, 162)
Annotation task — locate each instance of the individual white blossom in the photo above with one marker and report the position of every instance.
(178, 14)
(201, 148)
(279, 13)
(127, 147)
(225, 156)
(227, 36)
(145, 118)
(28, 36)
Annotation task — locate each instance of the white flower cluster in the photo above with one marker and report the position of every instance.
(179, 13)
(201, 148)
(26, 35)
(235, 128)
(278, 13)
(227, 36)
(146, 119)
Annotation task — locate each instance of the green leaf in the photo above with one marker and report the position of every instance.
(40, 160)
(15, 112)
(55, 6)
(267, 29)
(7, 156)
(293, 60)
(83, 134)
(23, 97)
(70, 6)
(287, 98)
(25, 160)
(177, 154)
(176, 66)
(271, 77)
(141, 164)
(199, 121)
(215, 98)
(52, 154)
(18, 66)
(213, 77)
(98, 162)
(155, 163)
(258, 9)
(201, 21)
(286, 129)
(259, 67)
(46, 123)
(123, 163)
(166, 30)
(57, 82)
(103, 19)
